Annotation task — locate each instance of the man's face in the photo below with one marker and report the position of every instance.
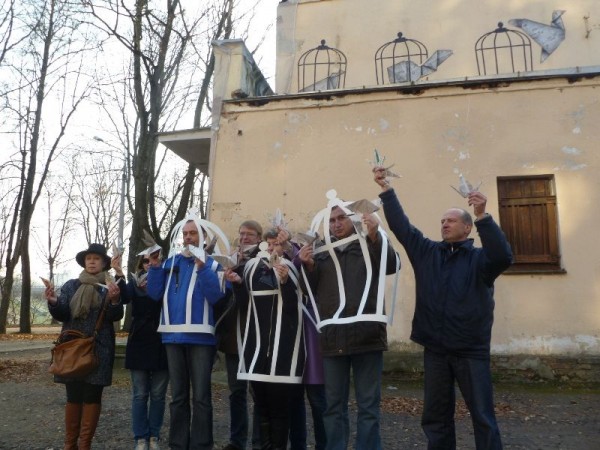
(274, 246)
(340, 224)
(454, 229)
(190, 234)
(248, 236)
(94, 264)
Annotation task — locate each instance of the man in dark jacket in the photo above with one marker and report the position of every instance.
(454, 313)
(344, 276)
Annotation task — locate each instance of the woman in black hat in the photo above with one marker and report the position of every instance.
(78, 306)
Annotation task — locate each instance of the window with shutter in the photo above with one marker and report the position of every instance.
(529, 218)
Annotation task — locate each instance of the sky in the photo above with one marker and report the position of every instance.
(265, 19)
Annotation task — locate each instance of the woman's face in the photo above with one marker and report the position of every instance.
(94, 264)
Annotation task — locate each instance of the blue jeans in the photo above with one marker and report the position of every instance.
(147, 418)
(366, 369)
(475, 382)
(316, 398)
(190, 366)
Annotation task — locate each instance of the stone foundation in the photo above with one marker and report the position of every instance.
(508, 368)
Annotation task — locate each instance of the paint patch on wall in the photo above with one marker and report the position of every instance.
(575, 167)
(551, 345)
(577, 130)
(571, 150)
(463, 155)
(383, 124)
(528, 166)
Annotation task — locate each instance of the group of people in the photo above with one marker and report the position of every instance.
(291, 319)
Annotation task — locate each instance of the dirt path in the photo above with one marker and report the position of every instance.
(532, 418)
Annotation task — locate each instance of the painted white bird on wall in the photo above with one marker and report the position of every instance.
(548, 37)
(411, 71)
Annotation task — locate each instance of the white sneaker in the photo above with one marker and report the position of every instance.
(141, 444)
(154, 444)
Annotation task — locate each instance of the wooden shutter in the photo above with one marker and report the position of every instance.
(528, 217)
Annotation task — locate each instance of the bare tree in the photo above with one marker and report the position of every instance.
(46, 68)
(96, 198)
(59, 199)
(171, 68)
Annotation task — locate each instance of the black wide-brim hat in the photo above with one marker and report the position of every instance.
(96, 249)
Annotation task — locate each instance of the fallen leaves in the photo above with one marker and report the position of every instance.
(21, 371)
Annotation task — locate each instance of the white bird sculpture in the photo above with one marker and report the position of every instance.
(548, 37)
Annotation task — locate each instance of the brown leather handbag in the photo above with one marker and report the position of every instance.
(74, 354)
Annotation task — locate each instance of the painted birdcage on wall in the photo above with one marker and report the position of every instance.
(503, 51)
(394, 59)
(321, 68)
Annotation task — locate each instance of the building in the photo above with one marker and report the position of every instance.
(515, 106)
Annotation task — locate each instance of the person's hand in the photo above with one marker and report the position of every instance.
(380, 177)
(306, 257)
(115, 263)
(282, 271)
(478, 201)
(283, 235)
(50, 295)
(113, 292)
(232, 277)
(370, 221)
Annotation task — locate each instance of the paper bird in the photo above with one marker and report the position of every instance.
(464, 187)
(150, 243)
(277, 221)
(226, 262)
(115, 250)
(47, 282)
(362, 207)
(273, 260)
(107, 279)
(549, 37)
(138, 280)
(197, 252)
(305, 238)
(378, 161)
(210, 247)
(411, 71)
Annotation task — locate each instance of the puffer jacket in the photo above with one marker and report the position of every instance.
(356, 337)
(454, 310)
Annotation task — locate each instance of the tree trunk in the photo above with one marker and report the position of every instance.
(25, 313)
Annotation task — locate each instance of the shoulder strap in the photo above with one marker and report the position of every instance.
(101, 316)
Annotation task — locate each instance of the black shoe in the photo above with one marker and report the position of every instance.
(230, 446)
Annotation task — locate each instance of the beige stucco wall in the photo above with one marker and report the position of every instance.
(288, 152)
(358, 28)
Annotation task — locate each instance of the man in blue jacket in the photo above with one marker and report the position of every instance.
(454, 313)
(188, 288)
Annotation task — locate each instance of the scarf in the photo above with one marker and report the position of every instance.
(86, 297)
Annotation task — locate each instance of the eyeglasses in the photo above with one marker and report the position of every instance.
(145, 261)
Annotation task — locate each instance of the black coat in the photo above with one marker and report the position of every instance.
(145, 350)
(356, 337)
(454, 309)
(105, 342)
